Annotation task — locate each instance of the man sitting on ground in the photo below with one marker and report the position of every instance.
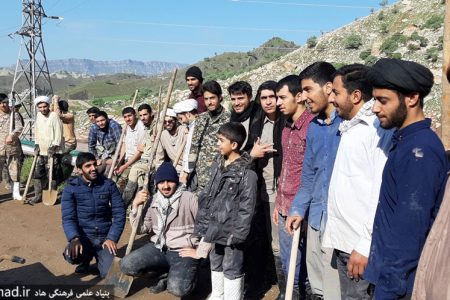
(169, 220)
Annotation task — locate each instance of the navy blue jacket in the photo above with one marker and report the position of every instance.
(96, 210)
(411, 193)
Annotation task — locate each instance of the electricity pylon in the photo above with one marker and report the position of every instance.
(31, 75)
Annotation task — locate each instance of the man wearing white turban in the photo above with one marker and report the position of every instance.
(49, 141)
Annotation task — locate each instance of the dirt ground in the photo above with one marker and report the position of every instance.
(35, 233)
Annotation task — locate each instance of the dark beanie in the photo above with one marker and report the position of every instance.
(166, 172)
(401, 75)
(195, 71)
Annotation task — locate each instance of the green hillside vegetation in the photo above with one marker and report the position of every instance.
(219, 67)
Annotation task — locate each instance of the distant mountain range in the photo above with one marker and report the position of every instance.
(92, 67)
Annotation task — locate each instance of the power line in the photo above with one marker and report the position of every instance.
(302, 4)
(205, 26)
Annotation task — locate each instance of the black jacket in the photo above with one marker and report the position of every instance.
(227, 204)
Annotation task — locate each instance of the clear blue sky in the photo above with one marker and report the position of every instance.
(174, 30)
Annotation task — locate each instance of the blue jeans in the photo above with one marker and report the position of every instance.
(182, 271)
(92, 247)
(285, 253)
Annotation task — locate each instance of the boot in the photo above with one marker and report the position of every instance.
(281, 278)
(129, 192)
(16, 191)
(217, 285)
(233, 288)
(37, 192)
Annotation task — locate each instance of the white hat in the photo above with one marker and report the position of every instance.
(185, 106)
(41, 99)
(169, 113)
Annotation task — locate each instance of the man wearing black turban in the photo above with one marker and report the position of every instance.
(413, 178)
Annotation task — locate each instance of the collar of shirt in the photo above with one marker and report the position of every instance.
(332, 118)
(410, 129)
(361, 116)
(267, 120)
(298, 124)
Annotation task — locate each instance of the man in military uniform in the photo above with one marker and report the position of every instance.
(204, 139)
(10, 148)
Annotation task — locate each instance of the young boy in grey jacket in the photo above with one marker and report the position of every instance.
(226, 208)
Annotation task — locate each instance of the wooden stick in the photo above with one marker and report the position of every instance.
(445, 106)
(27, 186)
(180, 151)
(158, 107)
(119, 145)
(292, 264)
(159, 129)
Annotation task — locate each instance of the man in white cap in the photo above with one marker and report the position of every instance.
(10, 149)
(186, 111)
(172, 141)
(49, 141)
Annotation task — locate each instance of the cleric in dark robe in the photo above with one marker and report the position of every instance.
(413, 178)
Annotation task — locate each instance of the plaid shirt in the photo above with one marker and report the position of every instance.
(107, 139)
(293, 141)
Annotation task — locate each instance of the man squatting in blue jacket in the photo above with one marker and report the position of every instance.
(93, 217)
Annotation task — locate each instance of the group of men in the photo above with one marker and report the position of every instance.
(345, 156)
(54, 136)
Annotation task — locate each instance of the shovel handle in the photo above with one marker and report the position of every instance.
(292, 264)
(50, 172)
(27, 186)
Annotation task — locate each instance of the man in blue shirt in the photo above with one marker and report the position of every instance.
(413, 181)
(322, 142)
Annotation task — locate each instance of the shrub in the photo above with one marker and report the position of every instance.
(370, 60)
(434, 22)
(395, 55)
(381, 16)
(384, 28)
(352, 42)
(413, 47)
(392, 43)
(432, 54)
(311, 41)
(383, 3)
(364, 54)
(423, 41)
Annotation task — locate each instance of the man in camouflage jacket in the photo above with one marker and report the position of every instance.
(10, 148)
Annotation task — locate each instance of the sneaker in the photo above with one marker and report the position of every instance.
(82, 268)
(159, 287)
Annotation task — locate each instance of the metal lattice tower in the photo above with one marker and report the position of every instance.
(31, 77)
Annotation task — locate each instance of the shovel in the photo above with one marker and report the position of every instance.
(25, 192)
(121, 282)
(49, 196)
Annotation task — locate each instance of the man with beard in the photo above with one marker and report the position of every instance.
(103, 139)
(10, 148)
(169, 219)
(322, 142)
(194, 80)
(356, 178)
(93, 217)
(244, 110)
(172, 141)
(134, 136)
(204, 140)
(413, 179)
(49, 141)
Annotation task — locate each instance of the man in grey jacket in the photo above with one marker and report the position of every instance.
(169, 220)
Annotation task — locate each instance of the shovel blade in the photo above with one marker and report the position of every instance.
(49, 197)
(120, 282)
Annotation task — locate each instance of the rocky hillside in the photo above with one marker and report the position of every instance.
(408, 29)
